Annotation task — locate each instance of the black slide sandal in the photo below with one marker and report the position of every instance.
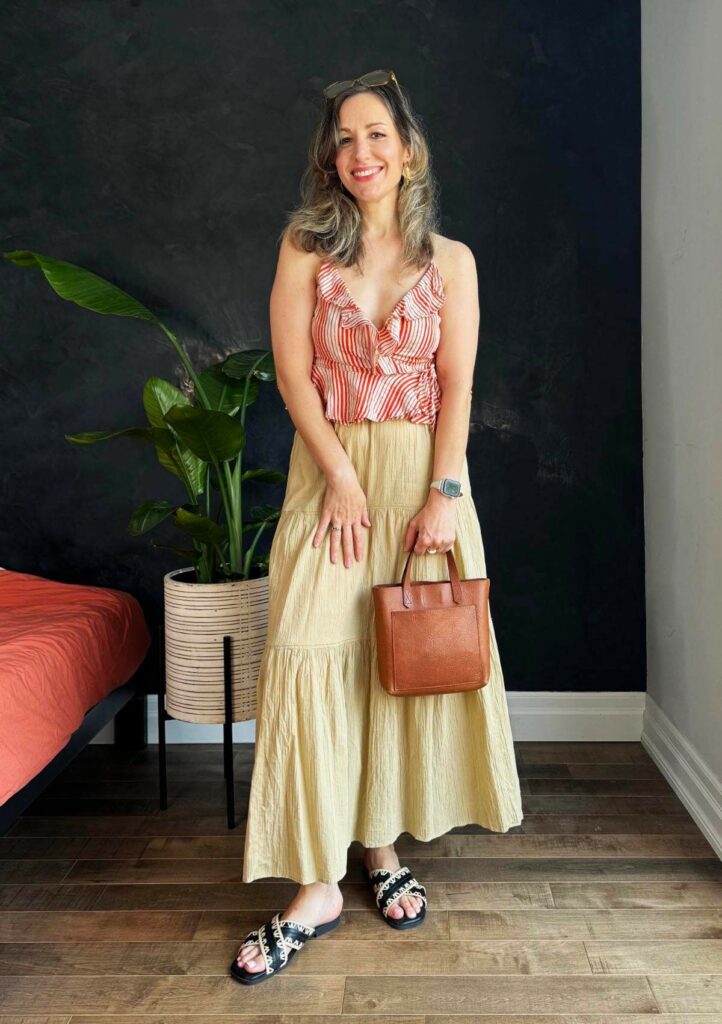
(279, 940)
(387, 888)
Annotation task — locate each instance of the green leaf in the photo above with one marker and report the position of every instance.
(149, 514)
(159, 396)
(82, 286)
(200, 527)
(270, 476)
(212, 436)
(257, 362)
(93, 436)
(224, 393)
(164, 439)
(262, 514)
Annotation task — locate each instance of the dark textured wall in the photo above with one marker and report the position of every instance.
(159, 143)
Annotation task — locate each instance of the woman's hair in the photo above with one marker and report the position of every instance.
(328, 220)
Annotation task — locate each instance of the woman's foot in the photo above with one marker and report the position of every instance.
(385, 857)
(313, 904)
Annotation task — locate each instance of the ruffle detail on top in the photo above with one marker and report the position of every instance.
(422, 300)
(363, 372)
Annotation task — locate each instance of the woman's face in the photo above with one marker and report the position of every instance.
(368, 141)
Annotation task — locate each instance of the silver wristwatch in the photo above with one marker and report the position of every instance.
(452, 488)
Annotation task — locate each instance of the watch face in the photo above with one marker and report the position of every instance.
(452, 488)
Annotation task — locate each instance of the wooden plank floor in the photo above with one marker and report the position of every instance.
(603, 907)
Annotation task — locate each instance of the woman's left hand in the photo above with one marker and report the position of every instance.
(434, 526)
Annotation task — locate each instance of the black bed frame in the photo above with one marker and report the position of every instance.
(127, 704)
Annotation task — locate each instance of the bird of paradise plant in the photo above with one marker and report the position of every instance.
(199, 439)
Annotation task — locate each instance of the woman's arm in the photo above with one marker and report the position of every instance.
(455, 359)
(293, 298)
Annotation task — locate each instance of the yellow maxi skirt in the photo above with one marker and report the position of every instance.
(337, 758)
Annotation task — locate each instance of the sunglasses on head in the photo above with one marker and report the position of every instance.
(380, 77)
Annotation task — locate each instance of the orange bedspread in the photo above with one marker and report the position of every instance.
(63, 647)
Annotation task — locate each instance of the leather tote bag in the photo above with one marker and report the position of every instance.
(432, 636)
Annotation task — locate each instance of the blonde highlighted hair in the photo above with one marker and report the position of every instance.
(328, 220)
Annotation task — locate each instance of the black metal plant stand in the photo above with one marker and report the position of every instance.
(164, 717)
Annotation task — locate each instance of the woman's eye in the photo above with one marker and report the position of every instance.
(345, 138)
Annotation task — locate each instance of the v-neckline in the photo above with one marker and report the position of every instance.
(363, 313)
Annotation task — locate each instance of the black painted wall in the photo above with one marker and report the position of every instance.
(159, 143)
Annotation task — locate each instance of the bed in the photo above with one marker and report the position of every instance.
(71, 656)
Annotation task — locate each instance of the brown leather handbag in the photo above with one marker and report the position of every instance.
(432, 636)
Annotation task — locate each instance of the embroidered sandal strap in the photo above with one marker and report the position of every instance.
(278, 940)
(390, 886)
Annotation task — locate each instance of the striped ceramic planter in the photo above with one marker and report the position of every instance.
(197, 617)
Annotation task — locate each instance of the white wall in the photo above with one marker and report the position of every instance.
(682, 373)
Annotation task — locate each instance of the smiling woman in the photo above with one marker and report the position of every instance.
(384, 133)
(374, 322)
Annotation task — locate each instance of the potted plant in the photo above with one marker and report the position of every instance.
(200, 438)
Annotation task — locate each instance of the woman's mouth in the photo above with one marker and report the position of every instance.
(364, 173)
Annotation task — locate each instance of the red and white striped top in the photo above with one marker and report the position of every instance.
(365, 373)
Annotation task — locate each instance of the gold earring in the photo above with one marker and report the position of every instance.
(405, 173)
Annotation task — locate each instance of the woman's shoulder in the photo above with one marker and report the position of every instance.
(451, 257)
(295, 262)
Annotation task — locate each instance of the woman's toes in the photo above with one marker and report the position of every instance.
(250, 958)
(408, 906)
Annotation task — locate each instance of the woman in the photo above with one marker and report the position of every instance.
(374, 322)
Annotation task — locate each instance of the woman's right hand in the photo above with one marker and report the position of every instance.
(344, 505)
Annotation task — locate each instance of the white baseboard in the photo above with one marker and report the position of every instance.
(192, 732)
(694, 782)
(543, 715)
(556, 716)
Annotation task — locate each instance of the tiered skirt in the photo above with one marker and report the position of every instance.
(337, 758)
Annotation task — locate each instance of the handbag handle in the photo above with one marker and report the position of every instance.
(453, 579)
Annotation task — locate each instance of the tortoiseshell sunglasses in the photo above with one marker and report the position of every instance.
(379, 77)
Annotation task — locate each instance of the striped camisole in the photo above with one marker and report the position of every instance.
(365, 373)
